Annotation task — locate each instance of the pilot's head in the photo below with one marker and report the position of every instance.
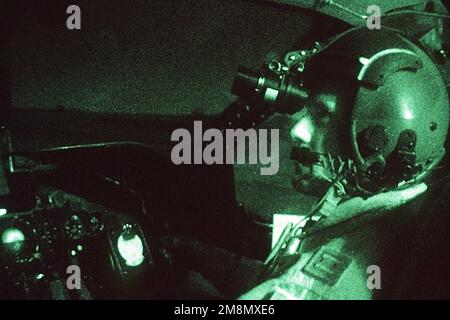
(377, 114)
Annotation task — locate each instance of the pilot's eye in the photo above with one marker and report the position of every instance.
(324, 106)
(321, 115)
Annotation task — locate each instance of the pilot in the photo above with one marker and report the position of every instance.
(370, 143)
(370, 118)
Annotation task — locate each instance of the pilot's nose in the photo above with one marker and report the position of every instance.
(303, 130)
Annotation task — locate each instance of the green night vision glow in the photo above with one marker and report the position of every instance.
(131, 250)
(407, 113)
(13, 238)
(303, 130)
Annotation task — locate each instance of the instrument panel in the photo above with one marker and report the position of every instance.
(41, 248)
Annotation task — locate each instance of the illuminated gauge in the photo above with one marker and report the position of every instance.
(13, 239)
(130, 253)
(95, 224)
(3, 211)
(18, 240)
(131, 247)
(74, 227)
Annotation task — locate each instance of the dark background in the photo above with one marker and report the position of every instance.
(151, 57)
(147, 57)
(144, 56)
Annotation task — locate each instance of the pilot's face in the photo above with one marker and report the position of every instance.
(322, 127)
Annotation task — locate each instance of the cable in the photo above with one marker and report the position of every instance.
(419, 13)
